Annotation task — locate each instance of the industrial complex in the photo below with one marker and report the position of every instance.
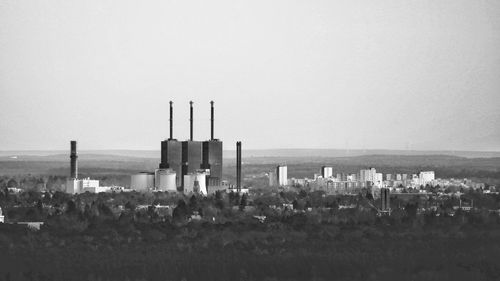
(186, 166)
(189, 166)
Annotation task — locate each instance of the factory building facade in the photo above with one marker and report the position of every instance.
(212, 160)
(171, 158)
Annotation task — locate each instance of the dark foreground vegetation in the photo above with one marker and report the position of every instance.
(109, 237)
(271, 251)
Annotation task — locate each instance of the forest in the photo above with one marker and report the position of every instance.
(130, 236)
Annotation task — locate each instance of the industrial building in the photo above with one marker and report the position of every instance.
(188, 157)
(184, 162)
(171, 152)
(75, 185)
(212, 154)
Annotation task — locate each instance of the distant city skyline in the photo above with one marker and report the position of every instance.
(413, 75)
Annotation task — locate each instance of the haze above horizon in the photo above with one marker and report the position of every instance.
(413, 75)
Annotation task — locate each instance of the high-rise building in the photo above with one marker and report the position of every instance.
(281, 173)
(426, 177)
(367, 175)
(326, 172)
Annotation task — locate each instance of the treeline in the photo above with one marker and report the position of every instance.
(293, 248)
(129, 236)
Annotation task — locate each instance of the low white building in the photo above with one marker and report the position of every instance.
(74, 186)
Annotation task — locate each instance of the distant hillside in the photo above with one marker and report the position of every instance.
(260, 153)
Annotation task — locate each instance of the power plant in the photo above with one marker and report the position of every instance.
(185, 162)
(192, 156)
(185, 166)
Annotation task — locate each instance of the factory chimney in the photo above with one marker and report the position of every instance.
(73, 157)
(171, 121)
(211, 120)
(238, 165)
(191, 120)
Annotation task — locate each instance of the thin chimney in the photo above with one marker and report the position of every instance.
(212, 120)
(191, 121)
(73, 156)
(171, 121)
(238, 165)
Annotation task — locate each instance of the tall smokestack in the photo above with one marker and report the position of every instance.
(238, 165)
(211, 120)
(191, 120)
(73, 157)
(171, 121)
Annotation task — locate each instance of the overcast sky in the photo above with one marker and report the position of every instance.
(283, 74)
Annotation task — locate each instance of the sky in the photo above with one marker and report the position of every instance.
(354, 74)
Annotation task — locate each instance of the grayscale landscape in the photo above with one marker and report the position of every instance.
(278, 140)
